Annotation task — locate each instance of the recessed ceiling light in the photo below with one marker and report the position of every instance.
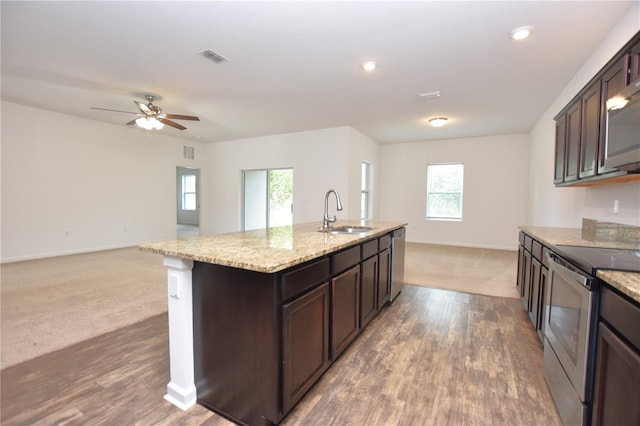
(521, 33)
(438, 121)
(369, 66)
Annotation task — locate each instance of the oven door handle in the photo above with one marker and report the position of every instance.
(557, 265)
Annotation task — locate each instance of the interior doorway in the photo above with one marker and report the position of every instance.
(187, 202)
(268, 198)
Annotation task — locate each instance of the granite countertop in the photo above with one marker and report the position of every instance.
(626, 282)
(268, 250)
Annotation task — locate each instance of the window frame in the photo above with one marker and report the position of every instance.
(365, 191)
(185, 192)
(432, 167)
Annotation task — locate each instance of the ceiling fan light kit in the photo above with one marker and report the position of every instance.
(149, 123)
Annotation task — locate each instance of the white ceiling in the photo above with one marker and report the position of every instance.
(296, 65)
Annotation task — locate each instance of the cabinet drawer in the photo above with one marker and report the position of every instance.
(521, 237)
(528, 242)
(623, 315)
(345, 259)
(300, 279)
(536, 250)
(369, 248)
(385, 242)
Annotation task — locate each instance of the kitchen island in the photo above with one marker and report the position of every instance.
(256, 317)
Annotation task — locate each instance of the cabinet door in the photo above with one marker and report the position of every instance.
(384, 283)
(369, 298)
(534, 304)
(561, 149)
(305, 343)
(521, 269)
(634, 64)
(590, 135)
(345, 313)
(526, 288)
(572, 149)
(613, 82)
(617, 389)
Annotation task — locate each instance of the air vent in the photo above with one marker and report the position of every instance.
(189, 152)
(214, 56)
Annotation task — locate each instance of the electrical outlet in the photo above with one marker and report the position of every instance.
(616, 207)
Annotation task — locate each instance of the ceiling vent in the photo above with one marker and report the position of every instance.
(214, 56)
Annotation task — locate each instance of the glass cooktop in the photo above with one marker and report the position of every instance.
(590, 259)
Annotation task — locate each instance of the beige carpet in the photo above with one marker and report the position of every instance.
(469, 270)
(48, 304)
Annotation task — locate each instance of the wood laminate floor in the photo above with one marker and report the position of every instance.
(434, 357)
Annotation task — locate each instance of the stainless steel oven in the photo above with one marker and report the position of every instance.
(571, 309)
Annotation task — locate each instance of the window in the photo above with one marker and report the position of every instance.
(188, 192)
(444, 191)
(365, 194)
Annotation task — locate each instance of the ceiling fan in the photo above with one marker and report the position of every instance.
(151, 116)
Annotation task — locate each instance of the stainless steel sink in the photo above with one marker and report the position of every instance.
(351, 229)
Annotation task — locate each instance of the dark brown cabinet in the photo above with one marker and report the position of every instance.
(369, 290)
(572, 141)
(384, 277)
(617, 387)
(261, 340)
(561, 148)
(634, 64)
(306, 343)
(581, 125)
(345, 316)
(531, 280)
(590, 131)
(613, 82)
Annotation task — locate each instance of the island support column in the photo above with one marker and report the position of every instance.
(181, 390)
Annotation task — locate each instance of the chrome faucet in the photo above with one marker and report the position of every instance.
(327, 219)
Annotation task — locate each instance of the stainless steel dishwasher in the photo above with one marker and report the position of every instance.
(397, 261)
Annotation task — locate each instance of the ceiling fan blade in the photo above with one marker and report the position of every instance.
(143, 107)
(131, 122)
(172, 123)
(182, 117)
(114, 110)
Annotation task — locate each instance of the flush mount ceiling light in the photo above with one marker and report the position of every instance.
(521, 33)
(369, 66)
(149, 123)
(438, 121)
(428, 95)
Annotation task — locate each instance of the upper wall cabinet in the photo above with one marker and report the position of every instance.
(581, 125)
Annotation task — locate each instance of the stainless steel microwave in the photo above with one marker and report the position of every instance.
(622, 148)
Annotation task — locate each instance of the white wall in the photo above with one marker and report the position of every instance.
(73, 185)
(321, 160)
(565, 207)
(495, 186)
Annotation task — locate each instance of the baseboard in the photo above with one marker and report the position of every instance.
(66, 253)
(478, 246)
